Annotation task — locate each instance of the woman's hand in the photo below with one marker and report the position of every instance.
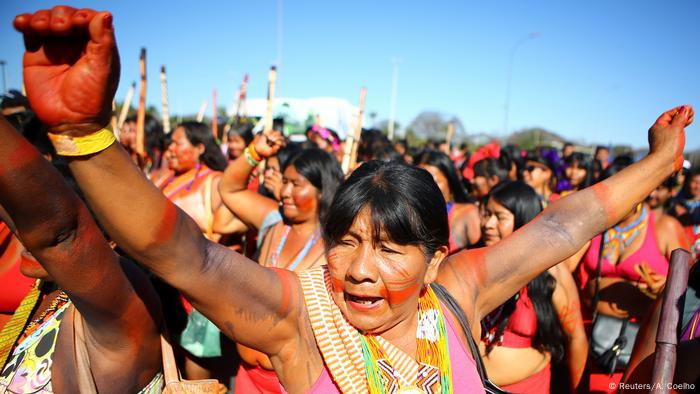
(652, 283)
(667, 134)
(268, 143)
(71, 67)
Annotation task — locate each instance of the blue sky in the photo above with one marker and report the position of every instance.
(599, 71)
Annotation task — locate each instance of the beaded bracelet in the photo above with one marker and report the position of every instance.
(253, 153)
(82, 146)
(249, 158)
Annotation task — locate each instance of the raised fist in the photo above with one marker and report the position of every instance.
(71, 67)
(667, 134)
(268, 143)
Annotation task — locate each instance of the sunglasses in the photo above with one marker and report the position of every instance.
(533, 167)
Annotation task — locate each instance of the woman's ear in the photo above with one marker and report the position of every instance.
(200, 149)
(434, 264)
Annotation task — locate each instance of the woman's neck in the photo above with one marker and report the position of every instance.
(305, 228)
(631, 218)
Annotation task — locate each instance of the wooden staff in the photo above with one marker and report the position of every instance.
(271, 81)
(358, 132)
(214, 120)
(164, 100)
(448, 138)
(667, 334)
(141, 114)
(126, 105)
(202, 109)
(237, 116)
(113, 120)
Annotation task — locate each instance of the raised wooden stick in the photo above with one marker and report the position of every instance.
(214, 120)
(126, 105)
(202, 109)
(141, 114)
(271, 79)
(448, 138)
(239, 105)
(164, 100)
(358, 132)
(667, 334)
(113, 120)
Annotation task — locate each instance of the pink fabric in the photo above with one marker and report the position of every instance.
(649, 252)
(465, 378)
(256, 380)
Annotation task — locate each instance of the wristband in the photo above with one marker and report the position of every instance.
(253, 153)
(82, 146)
(249, 158)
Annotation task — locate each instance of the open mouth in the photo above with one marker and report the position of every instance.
(362, 302)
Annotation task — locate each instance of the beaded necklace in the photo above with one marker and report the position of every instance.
(60, 300)
(617, 238)
(435, 371)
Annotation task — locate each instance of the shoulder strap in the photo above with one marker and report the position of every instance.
(458, 312)
(170, 372)
(86, 382)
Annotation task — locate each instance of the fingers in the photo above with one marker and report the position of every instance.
(101, 29)
(680, 117)
(60, 23)
(81, 18)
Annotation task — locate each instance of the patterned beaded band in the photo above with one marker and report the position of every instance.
(249, 158)
(82, 146)
(253, 153)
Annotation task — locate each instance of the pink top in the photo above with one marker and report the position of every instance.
(521, 327)
(649, 252)
(465, 378)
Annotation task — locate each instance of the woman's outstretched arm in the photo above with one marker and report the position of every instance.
(72, 95)
(482, 279)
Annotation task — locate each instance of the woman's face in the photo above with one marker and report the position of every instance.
(694, 187)
(440, 179)
(377, 285)
(497, 222)
(480, 186)
(575, 174)
(658, 196)
(182, 155)
(273, 176)
(236, 145)
(536, 175)
(127, 135)
(300, 199)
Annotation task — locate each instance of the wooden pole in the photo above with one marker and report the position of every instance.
(126, 105)
(358, 131)
(448, 138)
(667, 334)
(113, 120)
(236, 118)
(164, 100)
(271, 79)
(214, 118)
(202, 109)
(141, 114)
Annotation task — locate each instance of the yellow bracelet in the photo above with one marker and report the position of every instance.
(82, 146)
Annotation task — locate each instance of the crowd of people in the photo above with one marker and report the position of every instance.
(256, 265)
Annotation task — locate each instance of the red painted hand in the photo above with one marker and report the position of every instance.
(71, 67)
(667, 135)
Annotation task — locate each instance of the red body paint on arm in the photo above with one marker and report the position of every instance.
(602, 192)
(285, 277)
(476, 260)
(167, 223)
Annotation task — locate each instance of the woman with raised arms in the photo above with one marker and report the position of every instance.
(367, 321)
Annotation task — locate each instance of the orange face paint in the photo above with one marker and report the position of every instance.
(167, 223)
(398, 297)
(337, 284)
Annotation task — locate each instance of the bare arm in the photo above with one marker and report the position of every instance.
(74, 99)
(248, 205)
(56, 227)
(482, 279)
(568, 307)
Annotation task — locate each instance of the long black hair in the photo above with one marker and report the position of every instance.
(322, 170)
(443, 163)
(584, 162)
(524, 203)
(405, 204)
(199, 133)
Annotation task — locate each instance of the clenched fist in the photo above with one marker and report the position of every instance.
(71, 67)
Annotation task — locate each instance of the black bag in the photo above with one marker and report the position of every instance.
(453, 306)
(612, 338)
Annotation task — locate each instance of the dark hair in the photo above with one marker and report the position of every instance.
(491, 167)
(154, 137)
(199, 133)
(584, 162)
(405, 204)
(244, 130)
(619, 164)
(443, 163)
(322, 170)
(523, 202)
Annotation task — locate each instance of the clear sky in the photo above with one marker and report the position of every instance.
(598, 71)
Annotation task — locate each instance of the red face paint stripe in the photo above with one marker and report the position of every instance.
(400, 296)
(337, 284)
